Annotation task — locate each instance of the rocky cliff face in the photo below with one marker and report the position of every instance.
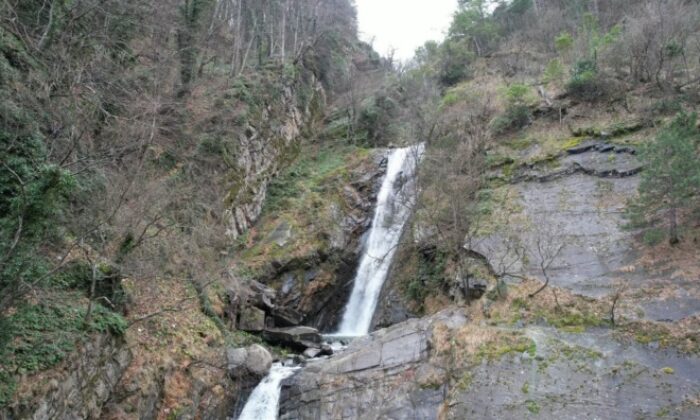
(83, 386)
(448, 367)
(308, 250)
(266, 143)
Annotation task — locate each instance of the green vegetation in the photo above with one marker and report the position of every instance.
(302, 204)
(525, 388)
(573, 321)
(507, 344)
(465, 381)
(34, 192)
(430, 277)
(39, 336)
(532, 406)
(455, 62)
(564, 42)
(310, 175)
(376, 122)
(517, 114)
(554, 73)
(585, 82)
(671, 180)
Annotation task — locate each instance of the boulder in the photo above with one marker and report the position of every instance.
(297, 338)
(286, 317)
(326, 350)
(281, 235)
(258, 360)
(251, 319)
(262, 296)
(248, 364)
(312, 353)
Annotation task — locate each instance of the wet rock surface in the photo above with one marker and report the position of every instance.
(579, 207)
(391, 308)
(372, 378)
(297, 338)
(581, 376)
(404, 372)
(448, 366)
(249, 364)
(317, 285)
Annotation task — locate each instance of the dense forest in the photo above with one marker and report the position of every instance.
(179, 178)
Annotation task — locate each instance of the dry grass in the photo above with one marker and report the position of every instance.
(169, 344)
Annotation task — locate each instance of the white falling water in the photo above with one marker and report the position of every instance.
(393, 209)
(394, 205)
(263, 403)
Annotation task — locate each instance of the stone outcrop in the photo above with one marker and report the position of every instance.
(263, 146)
(375, 377)
(441, 367)
(313, 288)
(297, 338)
(81, 390)
(392, 307)
(251, 319)
(577, 205)
(592, 157)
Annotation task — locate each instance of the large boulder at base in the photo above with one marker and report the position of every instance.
(286, 317)
(249, 364)
(297, 338)
(251, 319)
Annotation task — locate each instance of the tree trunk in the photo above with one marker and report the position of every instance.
(47, 36)
(673, 226)
(93, 284)
(238, 41)
(283, 40)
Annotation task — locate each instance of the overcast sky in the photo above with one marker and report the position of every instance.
(403, 25)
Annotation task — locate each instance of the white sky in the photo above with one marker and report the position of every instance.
(403, 25)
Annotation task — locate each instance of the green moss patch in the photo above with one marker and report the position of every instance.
(302, 206)
(36, 337)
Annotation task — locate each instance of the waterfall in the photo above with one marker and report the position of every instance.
(263, 403)
(394, 205)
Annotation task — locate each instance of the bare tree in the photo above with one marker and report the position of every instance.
(547, 243)
(450, 178)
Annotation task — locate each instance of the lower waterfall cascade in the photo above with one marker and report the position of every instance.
(263, 403)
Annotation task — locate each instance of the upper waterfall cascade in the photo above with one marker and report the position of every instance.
(394, 206)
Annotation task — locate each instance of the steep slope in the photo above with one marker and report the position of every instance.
(138, 142)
